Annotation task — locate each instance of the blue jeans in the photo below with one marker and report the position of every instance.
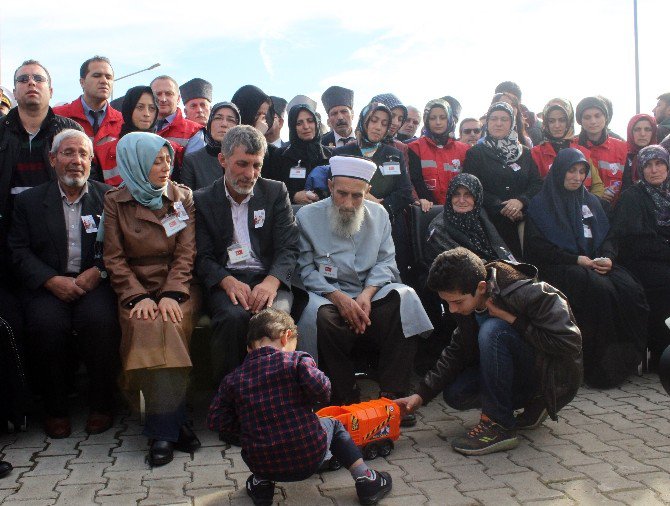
(504, 379)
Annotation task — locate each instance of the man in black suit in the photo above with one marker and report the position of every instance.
(247, 245)
(64, 293)
(339, 105)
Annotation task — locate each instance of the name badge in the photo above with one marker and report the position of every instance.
(586, 212)
(298, 173)
(456, 162)
(172, 224)
(587, 232)
(238, 253)
(181, 211)
(89, 224)
(390, 169)
(328, 270)
(515, 167)
(259, 218)
(431, 184)
(614, 167)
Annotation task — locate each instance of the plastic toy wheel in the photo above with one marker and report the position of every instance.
(385, 448)
(371, 451)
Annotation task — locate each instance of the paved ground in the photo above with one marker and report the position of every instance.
(609, 447)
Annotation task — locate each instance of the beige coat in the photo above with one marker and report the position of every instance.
(141, 259)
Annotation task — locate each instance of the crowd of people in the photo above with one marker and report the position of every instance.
(122, 222)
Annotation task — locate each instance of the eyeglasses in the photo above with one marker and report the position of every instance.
(73, 153)
(468, 131)
(25, 78)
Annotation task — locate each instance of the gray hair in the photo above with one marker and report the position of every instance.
(70, 133)
(244, 135)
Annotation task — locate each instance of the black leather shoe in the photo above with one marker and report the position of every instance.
(160, 453)
(188, 442)
(5, 468)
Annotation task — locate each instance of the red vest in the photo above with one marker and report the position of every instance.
(439, 165)
(107, 159)
(609, 158)
(180, 130)
(109, 128)
(544, 154)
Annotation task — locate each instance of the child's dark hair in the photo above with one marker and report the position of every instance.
(456, 270)
(269, 323)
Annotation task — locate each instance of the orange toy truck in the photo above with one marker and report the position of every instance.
(373, 425)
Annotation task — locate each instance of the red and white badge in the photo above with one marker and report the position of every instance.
(328, 270)
(238, 253)
(172, 224)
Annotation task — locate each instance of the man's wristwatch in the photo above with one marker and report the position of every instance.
(103, 274)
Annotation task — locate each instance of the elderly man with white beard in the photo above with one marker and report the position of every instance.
(347, 265)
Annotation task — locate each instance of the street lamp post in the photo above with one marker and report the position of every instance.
(137, 72)
(637, 61)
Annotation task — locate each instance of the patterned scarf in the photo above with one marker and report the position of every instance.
(366, 145)
(634, 149)
(508, 149)
(563, 105)
(659, 194)
(469, 223)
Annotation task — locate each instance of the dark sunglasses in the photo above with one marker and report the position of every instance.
(468, 131)
(24, 78)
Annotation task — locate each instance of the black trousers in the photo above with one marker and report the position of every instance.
(230, 323)
(51, 325)
(336, 341)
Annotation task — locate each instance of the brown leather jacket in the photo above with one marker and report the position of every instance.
(545, 321)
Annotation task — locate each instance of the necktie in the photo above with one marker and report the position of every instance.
(161, 124)
(345, 140)
(96, 121)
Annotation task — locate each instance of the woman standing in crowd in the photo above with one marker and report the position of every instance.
(390, 185)
(295, 162)
(566, 238)
(641, 225)
(507, 172)
(641, 132)
(607, 153)
(140, 113)
(435, 158)
(559, 132)
(202, 167)
(149, 249)
(510, 99)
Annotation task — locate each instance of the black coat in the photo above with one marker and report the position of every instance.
(38, 238)
(275, 242)
(502, 182)
(12, 134)
(284, 160)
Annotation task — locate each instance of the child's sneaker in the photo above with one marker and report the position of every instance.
(262, 492)
(371, 490)
(486, 437)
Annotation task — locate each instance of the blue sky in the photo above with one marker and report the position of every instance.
(570, 48)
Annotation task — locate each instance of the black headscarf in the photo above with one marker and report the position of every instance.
(362, 127)
(249, 99)
(660, 195)
(469, 223)
(133, 96)
(214, 147)
(299, 149)
(558, 213)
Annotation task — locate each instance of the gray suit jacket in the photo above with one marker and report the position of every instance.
(200, 169)
(275, 243)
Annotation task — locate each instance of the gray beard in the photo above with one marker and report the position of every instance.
(343, 225)
(73, 182)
